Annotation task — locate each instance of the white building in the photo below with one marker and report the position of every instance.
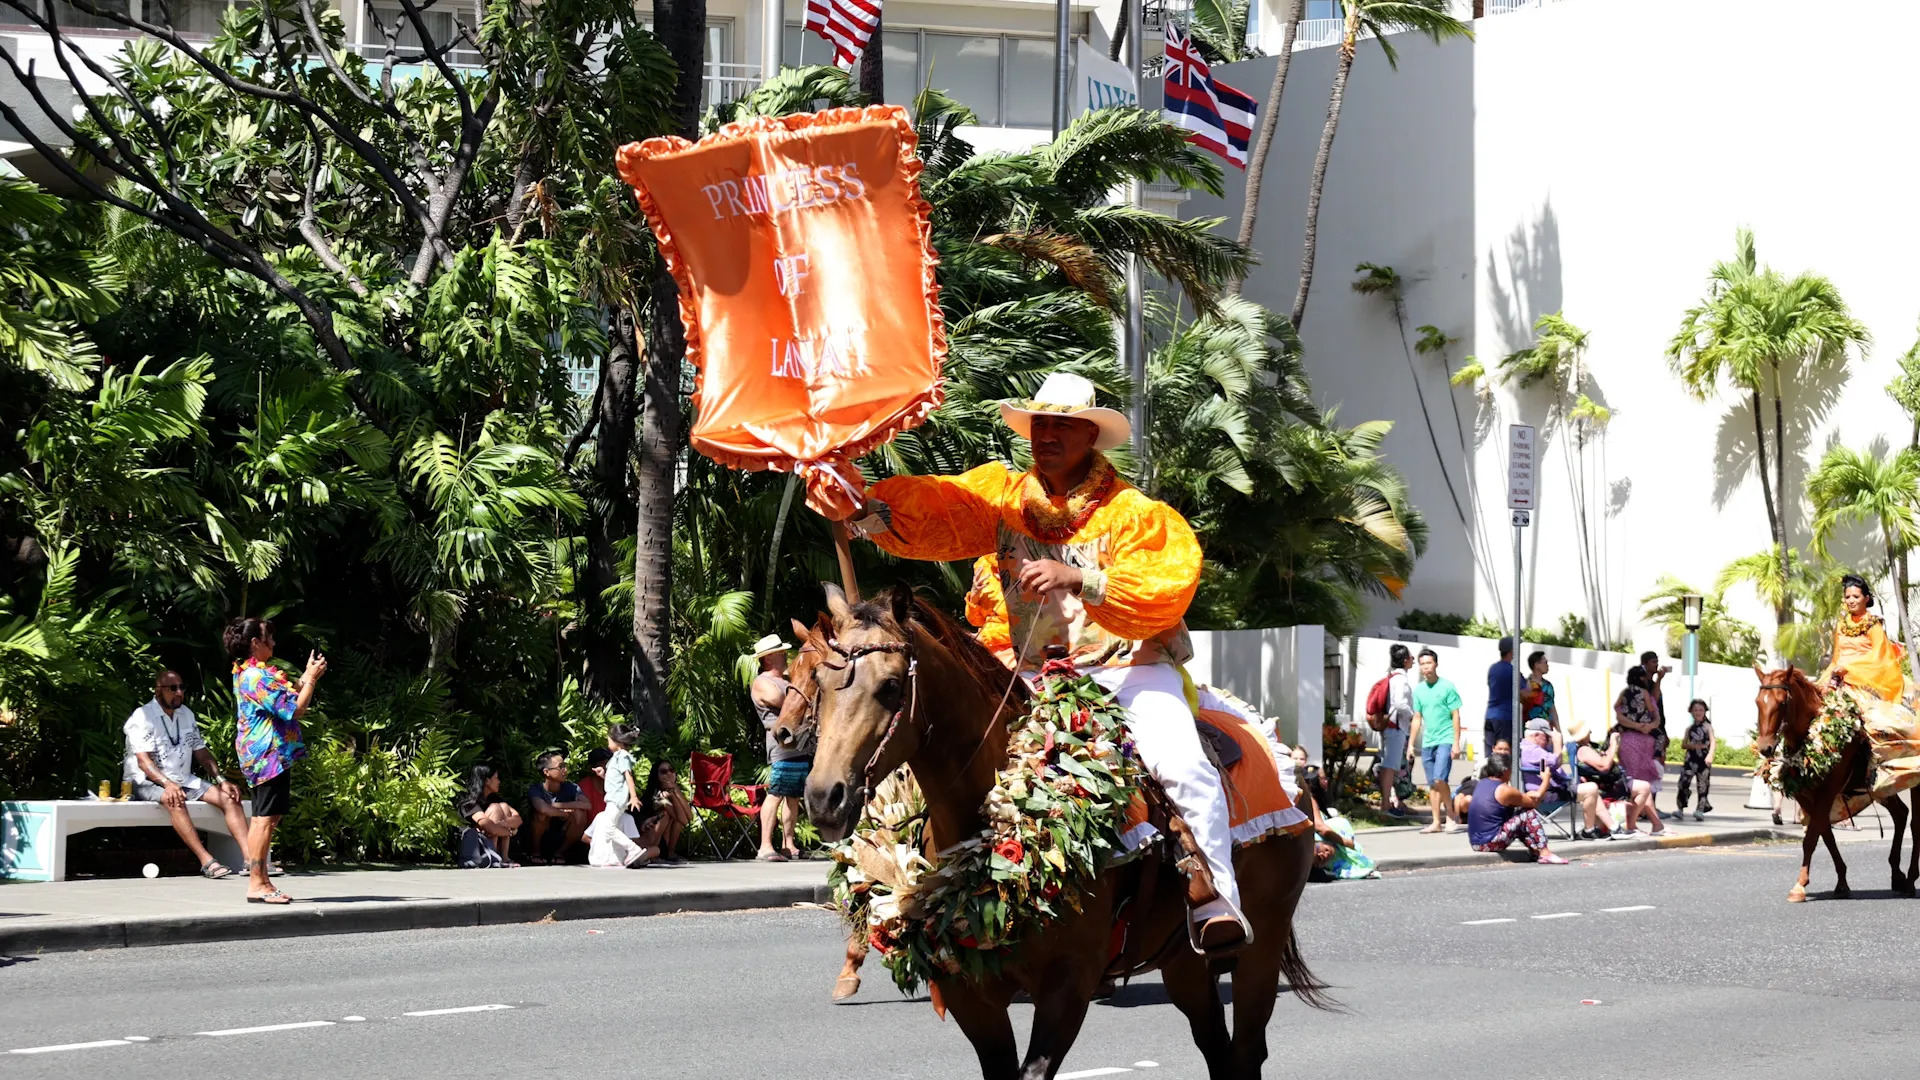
(1595, 158)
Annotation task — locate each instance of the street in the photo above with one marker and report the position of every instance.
(1699, 967)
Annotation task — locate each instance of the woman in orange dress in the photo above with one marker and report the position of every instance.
(1864, 657)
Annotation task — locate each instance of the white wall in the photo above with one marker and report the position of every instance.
(1279, 671)
(1597, 157)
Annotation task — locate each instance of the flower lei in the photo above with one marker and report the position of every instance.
(1054, 818)
(1797, 769)
(1850, 628)
(1054, 525)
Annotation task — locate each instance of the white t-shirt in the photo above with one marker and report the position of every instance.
(1400, 700)
(171, 740)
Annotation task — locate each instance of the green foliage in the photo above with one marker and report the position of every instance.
(1722, 639)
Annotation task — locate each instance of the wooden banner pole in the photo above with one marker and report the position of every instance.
(843, 548)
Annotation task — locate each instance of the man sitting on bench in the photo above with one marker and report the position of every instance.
(163, 744)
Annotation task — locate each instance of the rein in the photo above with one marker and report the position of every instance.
(912, 709)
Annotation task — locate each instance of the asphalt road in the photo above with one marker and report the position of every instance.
(1701, 970)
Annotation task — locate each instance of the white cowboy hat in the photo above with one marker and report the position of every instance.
(1067, 394)
(769, 645)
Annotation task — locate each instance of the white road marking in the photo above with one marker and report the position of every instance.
(1108, 1071)
(1143, 1065)
(68, 1046)
(464, 1009)
(353, 1019)
(1636, 907)
(136, 1038)
(266, 1027)
(1484, 922)
(1559, 915)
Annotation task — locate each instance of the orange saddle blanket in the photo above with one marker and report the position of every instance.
(1257, 806)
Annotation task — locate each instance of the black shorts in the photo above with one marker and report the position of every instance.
(273, 798)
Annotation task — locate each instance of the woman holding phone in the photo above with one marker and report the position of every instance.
(268, 738)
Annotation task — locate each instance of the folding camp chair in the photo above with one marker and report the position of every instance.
(713, 789)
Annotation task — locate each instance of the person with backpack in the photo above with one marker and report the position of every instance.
(1390, 712)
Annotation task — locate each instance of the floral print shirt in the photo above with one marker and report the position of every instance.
(268, 738)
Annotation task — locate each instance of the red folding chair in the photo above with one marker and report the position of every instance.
(713, 789)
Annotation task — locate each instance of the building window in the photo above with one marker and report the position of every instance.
(1005, 79)
(1324, 9)
(442, 26)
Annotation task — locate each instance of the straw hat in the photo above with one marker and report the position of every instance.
(769, 645)
(1067, 394)
(1577, 731)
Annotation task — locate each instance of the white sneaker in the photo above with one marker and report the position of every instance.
(1698, 816)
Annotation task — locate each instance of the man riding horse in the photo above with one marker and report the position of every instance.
(1093, 569)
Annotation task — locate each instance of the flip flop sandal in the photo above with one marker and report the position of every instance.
(275, 897)
(772, 856)
(213, 871)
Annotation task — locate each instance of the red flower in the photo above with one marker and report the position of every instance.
(1050, 890)
(1080, 792)
(1080, 720)
(967, 942)
(1010, 850)
(879, 941)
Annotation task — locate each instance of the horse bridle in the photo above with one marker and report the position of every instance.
(911, 710)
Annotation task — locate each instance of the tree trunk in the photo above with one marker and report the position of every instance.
(605, 674)
(681, 26)
(1309, 249)
(1120, 25)
(1269, 120)
(873, 72)
(1900, 580)
(1766, 496)
(1780, 462)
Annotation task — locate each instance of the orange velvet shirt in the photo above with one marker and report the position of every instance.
(1139, 559)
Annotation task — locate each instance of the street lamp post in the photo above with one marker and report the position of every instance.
(1691, 606)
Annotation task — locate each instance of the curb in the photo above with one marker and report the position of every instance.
(1581, 849)
(305, 920)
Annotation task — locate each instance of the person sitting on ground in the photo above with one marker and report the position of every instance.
(490, 821)
(1502, 813)
(666, 813)
(1698, 768)
(611, 836)
(593, 782)
(1464, 797)
(1336, 850)
(163, 745)
(1602, 781)
(559, 810)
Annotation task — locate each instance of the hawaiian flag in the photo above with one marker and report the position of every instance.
(848, 24)
(1215, 115)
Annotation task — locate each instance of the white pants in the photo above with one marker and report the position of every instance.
(1162, 729)
(610, 838)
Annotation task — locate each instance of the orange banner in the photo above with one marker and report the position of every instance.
(804, 257)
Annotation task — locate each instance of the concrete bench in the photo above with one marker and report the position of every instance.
(33, 835)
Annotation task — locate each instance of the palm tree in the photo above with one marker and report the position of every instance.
(1557, 358)
(1219, 30)
(1269, 122)
(1386, 283)
(1905, 390)
(1754, 322)
(1377, 18)
(1852, 485)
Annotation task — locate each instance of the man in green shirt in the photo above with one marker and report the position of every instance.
(1436, 732)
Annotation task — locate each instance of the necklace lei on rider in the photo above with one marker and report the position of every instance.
(1054, 818)
(1801, 768)
(1850, 628)
(1057, 524)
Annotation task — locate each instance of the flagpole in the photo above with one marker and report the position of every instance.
(1135, 335)
(773, 27)
(1062, 67)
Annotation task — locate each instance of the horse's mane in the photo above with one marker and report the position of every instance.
(951, 633)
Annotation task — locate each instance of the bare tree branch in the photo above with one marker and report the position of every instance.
(310, 226)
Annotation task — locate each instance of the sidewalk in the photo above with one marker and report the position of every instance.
(64, 916)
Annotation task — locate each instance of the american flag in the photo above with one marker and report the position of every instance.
(848, 24)
(1215, 115)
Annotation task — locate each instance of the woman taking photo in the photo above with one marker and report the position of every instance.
(667, 813)
(267, 738)
(1637, 728)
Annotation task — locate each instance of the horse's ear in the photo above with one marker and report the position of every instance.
(801, 631)
(902, 600)
(1757, 673)
(837, 604)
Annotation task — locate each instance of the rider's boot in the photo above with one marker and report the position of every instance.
(1216, 930)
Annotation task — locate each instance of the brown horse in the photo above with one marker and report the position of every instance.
(900, 683)
(1788, 702)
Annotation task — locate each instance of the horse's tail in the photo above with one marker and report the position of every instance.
(1300, 979)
